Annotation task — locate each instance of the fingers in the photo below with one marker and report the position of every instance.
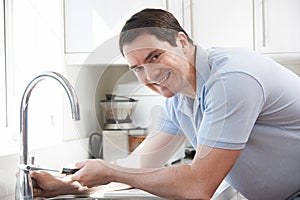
(39, 175)
(81, 164)
(37, 192)
(36, 177)
(34, 174)
(49, 185)
(76, 176)
(81, 175)
(92, 173)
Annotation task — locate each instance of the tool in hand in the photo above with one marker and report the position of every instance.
(62, 171)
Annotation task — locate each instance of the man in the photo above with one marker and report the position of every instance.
(240, 110)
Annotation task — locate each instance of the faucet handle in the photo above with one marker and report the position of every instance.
(32, 160)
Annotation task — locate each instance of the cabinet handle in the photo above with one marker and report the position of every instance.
(187, 16)
(263, 12)
(191, 18)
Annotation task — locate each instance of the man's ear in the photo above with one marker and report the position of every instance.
(183, 40)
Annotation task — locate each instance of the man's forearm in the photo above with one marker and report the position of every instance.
(176, 182)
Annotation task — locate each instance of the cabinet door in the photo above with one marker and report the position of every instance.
(222, 23)
(90, 23)
(277, 26)
(181, 9)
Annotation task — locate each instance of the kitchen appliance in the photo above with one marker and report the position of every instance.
(119, 139)
(118, 111)
(120, 135)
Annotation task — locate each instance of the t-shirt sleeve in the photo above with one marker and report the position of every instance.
(231, 104)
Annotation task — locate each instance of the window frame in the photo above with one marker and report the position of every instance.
(3, 65)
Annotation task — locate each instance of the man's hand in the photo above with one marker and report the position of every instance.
(93, 172)
(50, 186)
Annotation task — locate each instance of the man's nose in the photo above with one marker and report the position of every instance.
(151, 73)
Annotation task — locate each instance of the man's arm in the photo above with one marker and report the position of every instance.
(196, 181)
(154, 151)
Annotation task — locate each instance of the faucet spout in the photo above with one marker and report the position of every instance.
(24, 184)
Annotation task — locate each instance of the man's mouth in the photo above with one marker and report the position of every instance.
(164, 78)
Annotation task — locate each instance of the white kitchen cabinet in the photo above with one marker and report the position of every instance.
(182, 10)
(277, 30)
(267, 26)
(222, 23)
(92, 28)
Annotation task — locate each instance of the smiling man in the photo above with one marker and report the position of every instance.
(243, 121)
(162, 67)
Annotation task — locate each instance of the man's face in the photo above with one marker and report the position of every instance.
(158, 65)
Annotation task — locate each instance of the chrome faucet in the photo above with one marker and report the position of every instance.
(24, 188)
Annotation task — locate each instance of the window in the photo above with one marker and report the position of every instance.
(3, 89)
(33, 44)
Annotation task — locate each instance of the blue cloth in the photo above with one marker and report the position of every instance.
(244, 101)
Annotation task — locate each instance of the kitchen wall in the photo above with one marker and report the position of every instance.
(91, 83)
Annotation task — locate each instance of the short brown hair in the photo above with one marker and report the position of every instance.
(156, 22)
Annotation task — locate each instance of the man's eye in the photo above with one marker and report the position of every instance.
(138, 68)
(155, 57)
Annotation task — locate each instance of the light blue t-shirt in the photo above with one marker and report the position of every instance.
(244, 101)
